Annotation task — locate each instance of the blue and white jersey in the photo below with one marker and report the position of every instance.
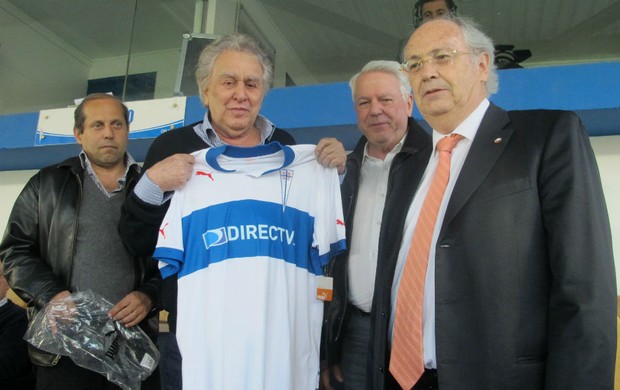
(248, 235)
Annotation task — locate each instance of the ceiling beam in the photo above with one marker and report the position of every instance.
(316, 14)
(45, 32)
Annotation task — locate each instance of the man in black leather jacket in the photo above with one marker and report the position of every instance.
(62, 237)
(383, 173)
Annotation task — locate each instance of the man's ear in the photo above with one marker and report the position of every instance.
(204, 98)
(77, 135)
(484, 64)
(410, 104)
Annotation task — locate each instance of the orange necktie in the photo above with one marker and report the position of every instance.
(407, 357)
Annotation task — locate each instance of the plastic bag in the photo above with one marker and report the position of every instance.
(79, 327)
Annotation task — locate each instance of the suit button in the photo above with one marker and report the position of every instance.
(382, 314)
(381, 369)
(447, 243)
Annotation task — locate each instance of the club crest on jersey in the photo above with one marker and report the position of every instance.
(286, 180)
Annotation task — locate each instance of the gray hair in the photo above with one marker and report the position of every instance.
(390, 67)
(478, 42)
(237, 42)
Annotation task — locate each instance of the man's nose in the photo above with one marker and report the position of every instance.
(375, 107)
(108, 131)
(428, 69)
(241, 91)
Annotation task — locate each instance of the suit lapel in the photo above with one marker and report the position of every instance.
(483, 154)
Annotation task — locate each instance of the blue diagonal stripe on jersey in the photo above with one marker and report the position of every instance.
(246, 228)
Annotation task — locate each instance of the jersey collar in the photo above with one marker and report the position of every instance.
(248, 152)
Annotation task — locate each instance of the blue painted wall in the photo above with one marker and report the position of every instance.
(313, 112)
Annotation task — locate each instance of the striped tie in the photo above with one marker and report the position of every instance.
(407, 357)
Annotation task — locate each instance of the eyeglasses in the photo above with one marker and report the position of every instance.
(438, 58)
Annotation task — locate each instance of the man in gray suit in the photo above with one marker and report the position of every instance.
(520, 285)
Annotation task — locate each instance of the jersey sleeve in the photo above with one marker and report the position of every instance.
(329, 230)
(170, 249)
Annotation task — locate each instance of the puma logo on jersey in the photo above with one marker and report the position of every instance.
(162, 230)
(207, 174)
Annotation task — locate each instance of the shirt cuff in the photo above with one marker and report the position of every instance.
(340, 177)
(149, 192)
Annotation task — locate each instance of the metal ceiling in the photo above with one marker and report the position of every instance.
(334, 38)
(331, 39)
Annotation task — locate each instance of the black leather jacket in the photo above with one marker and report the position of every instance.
(405, 174)
(39, 242)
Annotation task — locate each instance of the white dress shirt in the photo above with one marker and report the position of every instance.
(468, 129)
(362, 266)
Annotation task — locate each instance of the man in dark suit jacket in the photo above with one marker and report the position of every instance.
(520, 286)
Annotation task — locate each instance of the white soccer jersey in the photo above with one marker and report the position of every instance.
(248, 235)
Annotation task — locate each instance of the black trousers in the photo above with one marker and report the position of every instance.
(428, 381)
(67, 375)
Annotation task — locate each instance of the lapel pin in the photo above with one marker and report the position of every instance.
(497, 140)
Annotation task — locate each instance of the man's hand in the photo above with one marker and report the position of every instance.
(330, 153)
(61, 310)
(172, 172)
(61, 296)
(326, 370)
(132, 309)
